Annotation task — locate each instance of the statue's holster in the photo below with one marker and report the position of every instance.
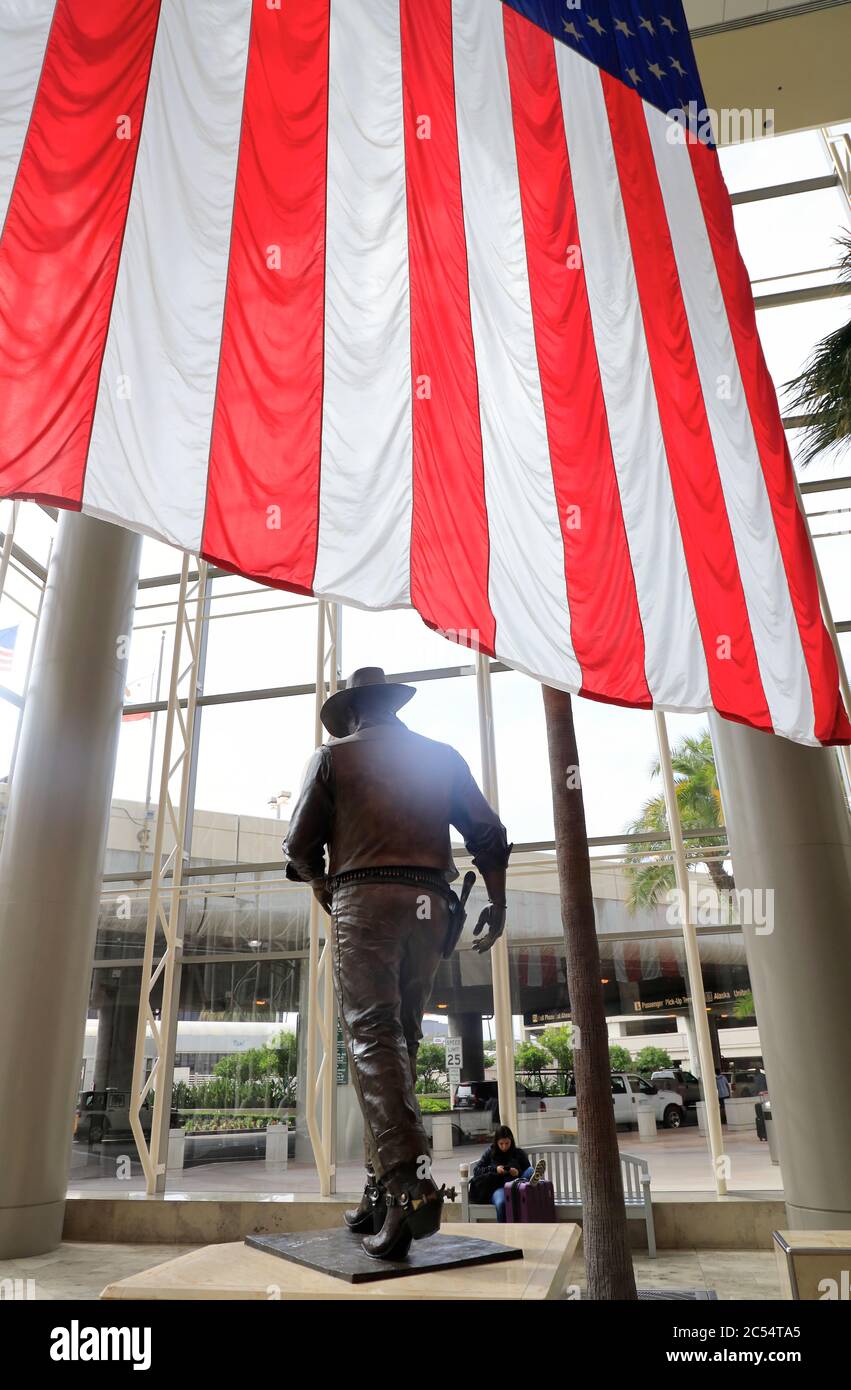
(457, 915)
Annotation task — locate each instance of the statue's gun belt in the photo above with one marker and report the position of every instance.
(418, 878)
(393, 873)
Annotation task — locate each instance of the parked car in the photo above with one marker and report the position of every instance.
(106, 1114)
(751, 1082)
(483, 1095)
(627, 1088)
(683, 1082)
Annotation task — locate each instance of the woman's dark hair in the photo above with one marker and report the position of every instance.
(502, 1132)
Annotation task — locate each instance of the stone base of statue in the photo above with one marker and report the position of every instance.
(540, 1268)
(340, 1253)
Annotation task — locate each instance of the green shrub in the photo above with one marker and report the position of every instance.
(652, 1059)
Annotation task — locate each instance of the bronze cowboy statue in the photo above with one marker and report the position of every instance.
(381, 799)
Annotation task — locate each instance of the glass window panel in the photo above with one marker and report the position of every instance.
(779, 159)
(270, 642)
(398, 640)
(789, 334)
(35, 529)
(249, 754)
(779, 236)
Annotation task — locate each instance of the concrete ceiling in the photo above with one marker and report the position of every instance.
(794, 63)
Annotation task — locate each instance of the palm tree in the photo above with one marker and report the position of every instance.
(822, 391)
(744, 1006)
(605, 1241)
(699, 800)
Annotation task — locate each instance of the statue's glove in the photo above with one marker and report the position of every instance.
(322, 893)
(492, 917)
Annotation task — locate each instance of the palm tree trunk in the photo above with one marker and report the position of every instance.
(608, 1262)
(724, 882)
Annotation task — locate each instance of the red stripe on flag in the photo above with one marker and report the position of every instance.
(449, 530)
(262, 514)
(605, 624)
(62, 238)
(831, 720)
(710, 553)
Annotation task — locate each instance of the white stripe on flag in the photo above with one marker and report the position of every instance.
(365, 482)
(674, 660)
(150, 443)
(23, 40)
(527, 577)
(772, 620)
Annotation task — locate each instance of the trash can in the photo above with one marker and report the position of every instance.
(770, 1132)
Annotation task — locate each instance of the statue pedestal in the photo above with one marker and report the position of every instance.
(339, 1253)
(238, 1271)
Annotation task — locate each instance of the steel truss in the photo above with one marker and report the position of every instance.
(161, 972)
(320, 1090)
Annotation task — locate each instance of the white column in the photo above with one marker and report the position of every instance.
(51, 866)
(790, 838)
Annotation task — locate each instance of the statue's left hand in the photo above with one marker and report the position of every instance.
(322, 893)
(492, 917)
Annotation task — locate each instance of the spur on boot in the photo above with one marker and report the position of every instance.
(370, 1213)
(414, 1207)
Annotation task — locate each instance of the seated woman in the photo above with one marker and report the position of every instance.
(502, 1162)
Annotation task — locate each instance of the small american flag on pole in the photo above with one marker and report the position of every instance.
(429, 303)
(8, 638)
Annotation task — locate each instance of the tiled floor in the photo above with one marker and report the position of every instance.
(80, 1271)
(732, 1274)
(678, 1159)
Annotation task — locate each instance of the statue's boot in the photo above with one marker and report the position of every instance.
(370, 1213)
(414, 1206)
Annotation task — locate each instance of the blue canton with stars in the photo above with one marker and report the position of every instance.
(645, 43)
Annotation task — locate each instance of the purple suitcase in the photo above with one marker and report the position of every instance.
(532, 1202)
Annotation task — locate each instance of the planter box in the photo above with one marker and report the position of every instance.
(277, 1147)
(176, 1149)
(647, 1122)
(740, 1112)
(441, 1135)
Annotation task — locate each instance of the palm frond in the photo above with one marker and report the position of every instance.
(823, 389)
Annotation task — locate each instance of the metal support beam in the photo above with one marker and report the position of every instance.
(503, 1030)
(321, 1009)
(785, 190)
(693, 969)
(164, 904)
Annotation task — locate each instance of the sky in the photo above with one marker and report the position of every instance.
(251, 752)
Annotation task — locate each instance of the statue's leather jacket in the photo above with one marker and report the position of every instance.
(387, 796)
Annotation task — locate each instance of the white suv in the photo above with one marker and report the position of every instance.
(627, 1090)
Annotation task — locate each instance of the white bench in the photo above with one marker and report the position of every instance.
(563, 1172)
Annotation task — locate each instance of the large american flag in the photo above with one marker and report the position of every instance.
(411, 302)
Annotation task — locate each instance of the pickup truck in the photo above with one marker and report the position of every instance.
(675, 1079)
(627, 1088)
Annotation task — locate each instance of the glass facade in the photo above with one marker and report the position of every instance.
(240, 1047)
